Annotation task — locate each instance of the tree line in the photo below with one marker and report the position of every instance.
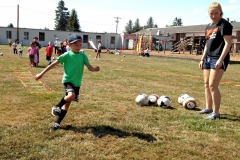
(68, 21)
(132, 28)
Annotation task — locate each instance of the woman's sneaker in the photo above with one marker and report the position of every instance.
(205, 111)
(56, 111)
(213, 116)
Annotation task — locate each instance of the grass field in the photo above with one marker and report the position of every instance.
(107, 123)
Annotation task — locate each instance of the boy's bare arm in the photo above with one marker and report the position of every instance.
(38, 76)
(93, 69)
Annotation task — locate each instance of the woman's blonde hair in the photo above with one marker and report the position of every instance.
(216, 5)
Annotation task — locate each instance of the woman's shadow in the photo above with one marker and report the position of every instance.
(103, 130)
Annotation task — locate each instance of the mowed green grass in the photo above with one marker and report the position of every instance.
(107, 123)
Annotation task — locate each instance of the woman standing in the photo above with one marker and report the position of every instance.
(215, 59)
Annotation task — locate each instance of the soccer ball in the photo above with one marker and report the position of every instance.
(164, 101)
(182, 97)
(1, 54)
(142, 99)
(189, 103)
(153, 99)
(53, 58)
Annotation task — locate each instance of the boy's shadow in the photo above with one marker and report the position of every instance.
(103, 130)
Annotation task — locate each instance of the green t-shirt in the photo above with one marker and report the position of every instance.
(20, 48)
(73, 64)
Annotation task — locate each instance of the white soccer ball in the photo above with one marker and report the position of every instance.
(153, 99)
(1, 54)
(53, 58)
(189, 103)
(182, 97)
(164, 101)
(142, 99)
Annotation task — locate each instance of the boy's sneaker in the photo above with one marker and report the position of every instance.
(76, 99)
(213, 116)
(204, 111)
(54, 126)
(56, 111)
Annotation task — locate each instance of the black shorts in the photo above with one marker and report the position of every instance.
(31, 56)
(99, 50)
(69, 87)
(48, 58)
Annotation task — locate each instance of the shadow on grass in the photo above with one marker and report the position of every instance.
(234, 62)
(230, 117)
(159, 107)
(101, 131)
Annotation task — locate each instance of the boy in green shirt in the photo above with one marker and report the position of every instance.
(73, 63)
(20, 49)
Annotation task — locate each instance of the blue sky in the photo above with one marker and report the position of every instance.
(98, 15)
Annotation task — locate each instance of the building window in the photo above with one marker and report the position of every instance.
(26, 35)
(41, 36)
(85, 38)
(112, 40)
(98, 38)
(9, 34)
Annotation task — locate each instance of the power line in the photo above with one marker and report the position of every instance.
(7, 6)
(37, 11)
(54, 15)
(117, 21)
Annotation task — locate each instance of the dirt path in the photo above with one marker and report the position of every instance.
(186, 55)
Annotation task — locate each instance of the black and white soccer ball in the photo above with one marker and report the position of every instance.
(142, 99)
(164, 101)
(189, 103)
(1, 54)
(53, 58)
(153, 99)
(182, 97)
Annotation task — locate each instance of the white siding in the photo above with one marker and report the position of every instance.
(51, 35)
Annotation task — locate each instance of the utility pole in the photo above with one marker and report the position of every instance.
(117, 21)
(18, 22)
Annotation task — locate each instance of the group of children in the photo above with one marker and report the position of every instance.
(33, 50)
(60, 48)
(17, 47)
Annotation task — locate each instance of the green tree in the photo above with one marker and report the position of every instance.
(62, 14)
(129, 27)
(10, 25)
(73, 22)
(177, 22)
(150, 23)
(137, 26)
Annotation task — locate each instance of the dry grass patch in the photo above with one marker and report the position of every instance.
(106, 123)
